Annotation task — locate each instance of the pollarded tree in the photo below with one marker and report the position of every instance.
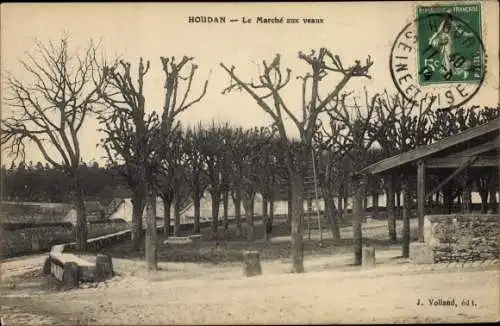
(328, 168)
(401, 125)
(129, 135)
(197, 177)
(269, 178)
(451, 122)
(175, 160)
(227, 135)
(138, 138)
(351, 137)
(50, 106)
(213, 149)
(236, 173)
(267, 94)
(248, 149)
(168, 176)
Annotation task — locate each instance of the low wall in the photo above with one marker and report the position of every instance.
(22, 241)
(36, 239)
(461, 237)
(100, 229)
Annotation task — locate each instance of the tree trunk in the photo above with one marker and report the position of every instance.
(398, 209)
(484, 201)
(309, 206)
(290, 206)
(357, 219)
(81, 216)
(264, 214)
(225, 195)
(467, 197)
(406, 219)
(331, 213)
(166, 217)
(340, 207)
(197, 212)
(177, 216)
(346, 200)
(297, 219)
(237, 213)
(151, 237)
(138, 204)
(493, 202)
(374, 204)
(196, 195)
(271, 209)
(215, 212)
(391, 214)
(249, 210)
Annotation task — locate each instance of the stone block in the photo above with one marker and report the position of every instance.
(47, 266)
(251, 263)
(71, 274)
(421, 253)
(178, 241)
(103, 267)
(87, 272)
(195, 239)
(368, 256)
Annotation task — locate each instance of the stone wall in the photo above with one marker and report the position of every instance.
(36, 239)
(27, 240)
(459, 237)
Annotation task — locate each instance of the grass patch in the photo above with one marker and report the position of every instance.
(229, 247)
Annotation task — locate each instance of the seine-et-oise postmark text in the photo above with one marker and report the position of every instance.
(439, 58)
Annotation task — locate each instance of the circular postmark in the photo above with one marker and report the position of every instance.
(438, 60)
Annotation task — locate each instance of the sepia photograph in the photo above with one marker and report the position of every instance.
(249, 163)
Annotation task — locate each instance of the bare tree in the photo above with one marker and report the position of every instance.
(401, 126)
(350, 134)
(129, 134)
(212, 147)
(168, 178)
(49, 110)
(451, 122)
(329, 165)
(140, 139)
(197, 178)
(268, 178)
(248, 148)
(266, 93)
(237, 170)
(179, 78)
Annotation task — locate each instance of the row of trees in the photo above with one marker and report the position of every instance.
(155, 156)
(44, 183)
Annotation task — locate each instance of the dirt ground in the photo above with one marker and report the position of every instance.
(331, 291)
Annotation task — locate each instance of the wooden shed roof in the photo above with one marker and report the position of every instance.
(486, 135)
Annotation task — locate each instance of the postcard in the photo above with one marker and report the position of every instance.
(249, 163)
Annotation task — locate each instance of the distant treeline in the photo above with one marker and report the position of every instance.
(43, 183)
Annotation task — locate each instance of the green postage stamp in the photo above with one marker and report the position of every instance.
(438, 59)
(449, 43)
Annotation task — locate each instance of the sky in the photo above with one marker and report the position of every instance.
(131, 30)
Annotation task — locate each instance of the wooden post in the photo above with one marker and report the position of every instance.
(391, 211)
(406, 218)
(421, 199)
